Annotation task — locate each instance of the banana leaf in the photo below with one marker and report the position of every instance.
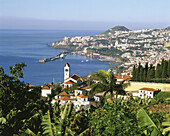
(145, 121)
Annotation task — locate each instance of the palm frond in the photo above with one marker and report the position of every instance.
(97, 87)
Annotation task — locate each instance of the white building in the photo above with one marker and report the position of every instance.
(70, 80)
(66, 70)
(82, 90)
(64, 99)
(82, 103)
(62, 94)
(45, 91)
(147, 92)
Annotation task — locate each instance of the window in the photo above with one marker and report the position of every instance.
(66, 70)
(150, 92)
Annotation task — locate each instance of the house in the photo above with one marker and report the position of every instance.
(45, 91)
(147, 92)
(64, 99)
(82, 90)
(62, 94)
(122, 78)
(70, 80)
(82, 103)
(30, 87)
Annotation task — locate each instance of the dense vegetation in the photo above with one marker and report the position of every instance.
(24, 112)
(160, 74)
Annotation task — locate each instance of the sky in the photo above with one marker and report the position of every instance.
(84, 14)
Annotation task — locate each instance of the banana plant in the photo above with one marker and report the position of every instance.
(145, 121)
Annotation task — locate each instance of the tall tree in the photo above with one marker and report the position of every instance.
(134, 73)
(144, 75)
(164, 71)
(146, 70)
(168, 71)
(106, 83)
(158, 73)
(141, 74)
(17, 101)
(138, 73)
(151, 72)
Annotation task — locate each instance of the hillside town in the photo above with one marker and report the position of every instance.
(82, 97)
(122, 45)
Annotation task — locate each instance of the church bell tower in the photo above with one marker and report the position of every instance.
(66, 70)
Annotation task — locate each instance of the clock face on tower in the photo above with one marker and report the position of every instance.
(66, 70)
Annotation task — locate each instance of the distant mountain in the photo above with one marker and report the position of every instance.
(168, 28)
(116, 28)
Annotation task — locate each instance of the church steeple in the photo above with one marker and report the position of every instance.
(66, 70)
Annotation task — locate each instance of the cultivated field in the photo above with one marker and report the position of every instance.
(135, 86)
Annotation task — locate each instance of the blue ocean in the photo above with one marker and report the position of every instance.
(29, 46)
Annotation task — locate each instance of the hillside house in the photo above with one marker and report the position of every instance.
(45, 91)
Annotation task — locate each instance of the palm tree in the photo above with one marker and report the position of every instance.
(106, 83)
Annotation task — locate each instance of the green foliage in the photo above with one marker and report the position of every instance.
(168, 71)
(164, 71)
(106, 83)
(145, 121)
(113, 119)
(18, 102)
(141, 74)
(149, 74)
(134, 73)
(151, 126)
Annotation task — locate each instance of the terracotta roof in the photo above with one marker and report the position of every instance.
(82, 96)
(120, 77)
(69, 82)
(86, 87)
(63, 93)
(119, 82)
(65, 98)
(148, 89)
(30, 85)
(125, 77)
(46, 87)
(66, 64)
(74, 76)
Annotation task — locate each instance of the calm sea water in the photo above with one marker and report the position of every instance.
(31, 45)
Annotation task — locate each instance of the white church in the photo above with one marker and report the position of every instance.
(70, 80)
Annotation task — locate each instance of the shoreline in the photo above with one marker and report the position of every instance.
(101, 58)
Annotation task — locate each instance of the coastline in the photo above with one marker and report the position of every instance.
(101, 58)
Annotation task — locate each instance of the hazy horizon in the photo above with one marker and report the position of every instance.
(84, 15)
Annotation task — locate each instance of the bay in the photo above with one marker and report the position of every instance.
(29, 46)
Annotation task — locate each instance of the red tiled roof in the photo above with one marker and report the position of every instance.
(65, 98)
(148, 89)
(46, 87)
(86, 87)
(82, 96)
(119, 82)
(30, 85)
(69, 82)
(63, 93)
(125, 77)
(74, 76)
